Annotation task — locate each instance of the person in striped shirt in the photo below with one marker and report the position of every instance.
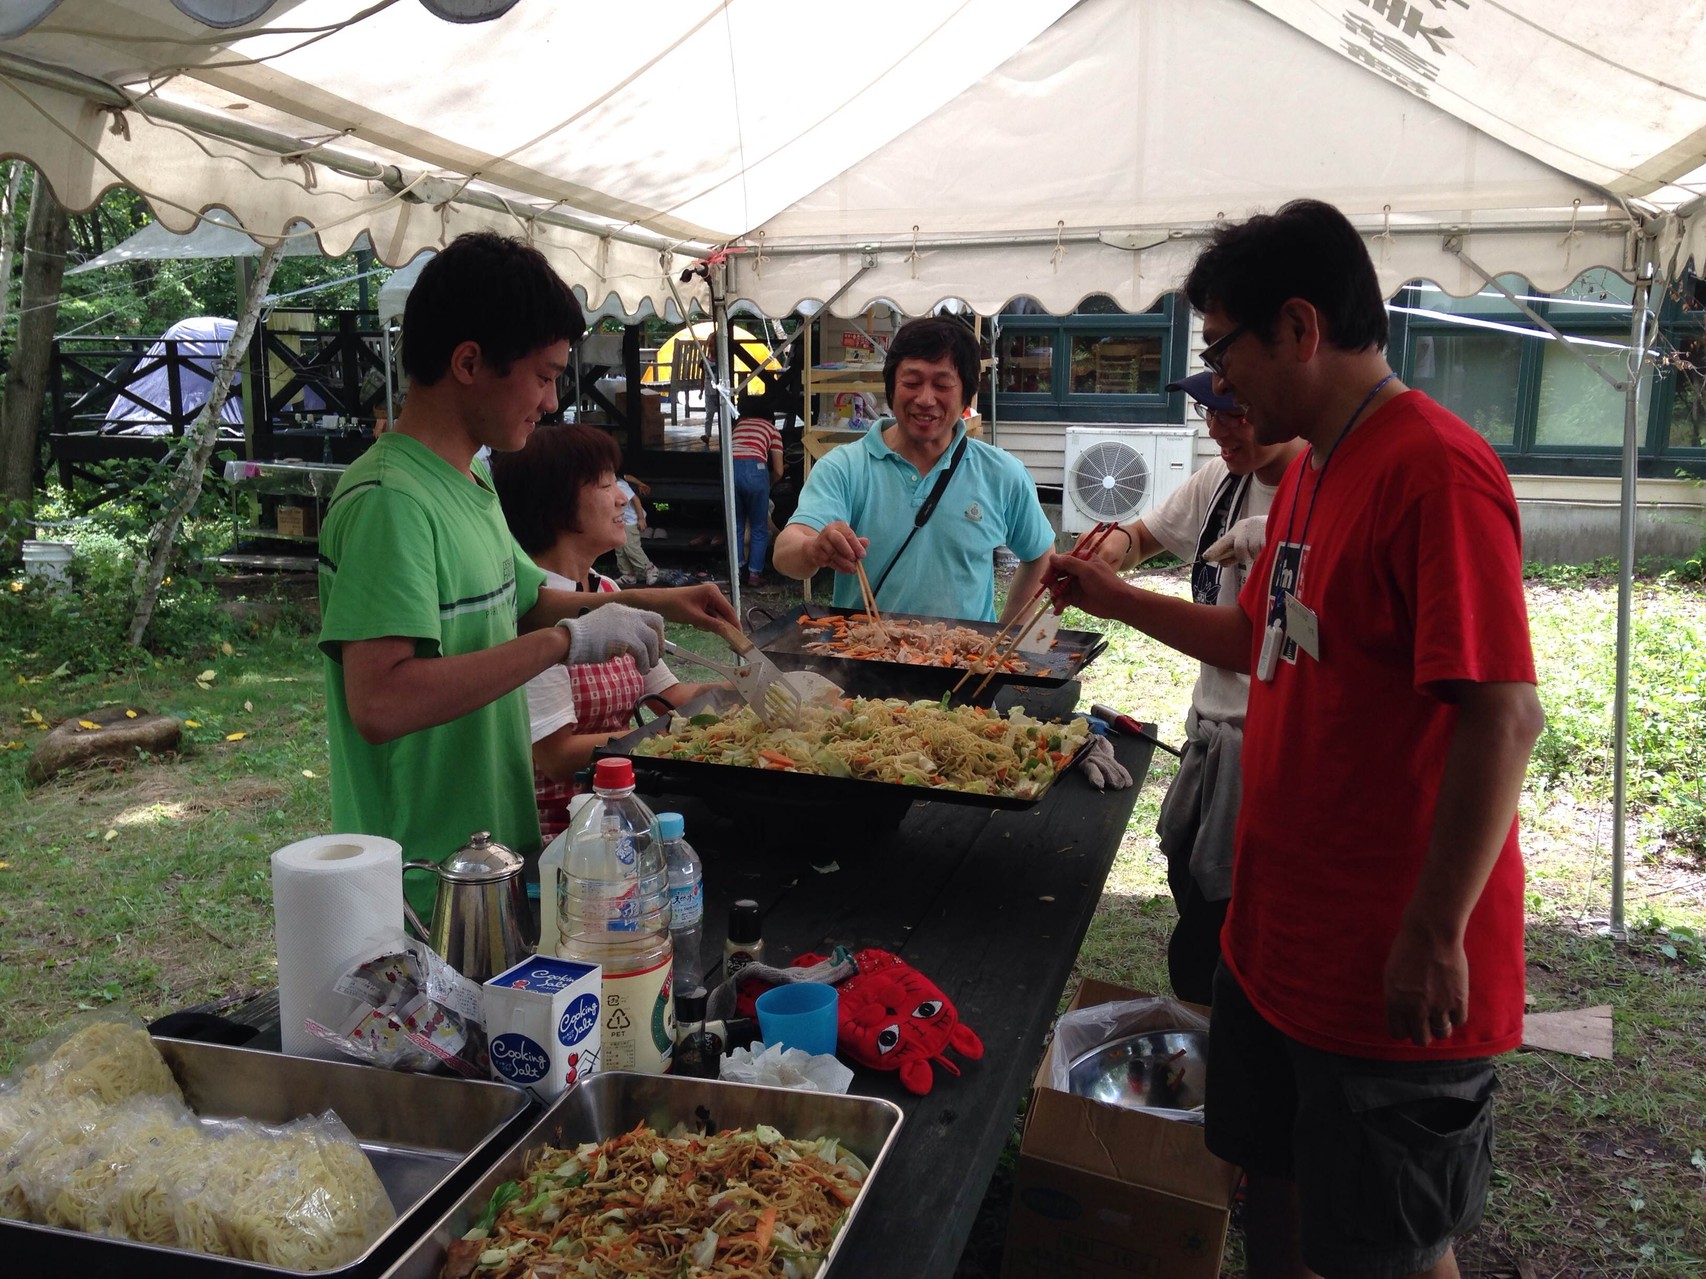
(757, 454)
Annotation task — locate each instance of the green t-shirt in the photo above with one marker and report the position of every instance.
(411, 547)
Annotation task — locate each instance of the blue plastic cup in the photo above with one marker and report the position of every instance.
(800, 1015)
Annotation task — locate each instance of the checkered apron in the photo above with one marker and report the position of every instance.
(605, 696)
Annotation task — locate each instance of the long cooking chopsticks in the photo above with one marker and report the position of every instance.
(870, 598)
(1032, 615)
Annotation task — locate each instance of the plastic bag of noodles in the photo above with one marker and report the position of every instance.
(77, 1187)
(59, 1132)
(49, 1104)
(107, 1055)
(302, 1195)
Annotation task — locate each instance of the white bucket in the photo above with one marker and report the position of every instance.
(48, 562)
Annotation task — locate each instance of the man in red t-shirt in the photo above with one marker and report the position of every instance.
(1373, 949)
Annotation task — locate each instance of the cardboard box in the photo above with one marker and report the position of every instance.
(650, 418)
(542, 1021)
(615, 389)
(1102, 1192)
(298, 521)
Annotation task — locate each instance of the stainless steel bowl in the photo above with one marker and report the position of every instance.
(1159, 1069)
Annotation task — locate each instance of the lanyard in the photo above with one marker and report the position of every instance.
(1320, 479)
(1223, 510)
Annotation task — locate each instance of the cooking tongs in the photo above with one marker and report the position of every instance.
(775, 696)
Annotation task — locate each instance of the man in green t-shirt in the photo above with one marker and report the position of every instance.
(432, 617)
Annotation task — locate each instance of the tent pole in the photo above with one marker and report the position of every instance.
(390, 376)
(1626, 570)
(718, 280)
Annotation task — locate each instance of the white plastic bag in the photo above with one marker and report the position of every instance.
(1085, 1029)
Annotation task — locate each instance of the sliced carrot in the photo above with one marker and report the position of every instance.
(765, 1228)
(777, 758)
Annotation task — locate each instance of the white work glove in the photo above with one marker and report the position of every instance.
(1242, 543)
(611, 630)
(1101, 767)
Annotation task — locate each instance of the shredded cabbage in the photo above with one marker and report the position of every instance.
(963, 748)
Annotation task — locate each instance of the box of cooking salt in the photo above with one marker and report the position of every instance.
(542, 1023)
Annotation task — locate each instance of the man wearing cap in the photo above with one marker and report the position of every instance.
(1216, 522)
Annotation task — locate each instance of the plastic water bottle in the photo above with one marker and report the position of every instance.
(686, 900)
(613, 910)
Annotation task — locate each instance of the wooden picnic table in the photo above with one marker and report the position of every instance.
(991, 905)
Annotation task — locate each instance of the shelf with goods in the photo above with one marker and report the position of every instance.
(822, 431)
(290, 500)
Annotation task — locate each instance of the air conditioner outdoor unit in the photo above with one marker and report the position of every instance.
(1118, 473)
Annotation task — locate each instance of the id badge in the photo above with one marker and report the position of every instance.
(1273, 639)
(1302, 627)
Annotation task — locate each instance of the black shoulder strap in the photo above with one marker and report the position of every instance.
(925, 511)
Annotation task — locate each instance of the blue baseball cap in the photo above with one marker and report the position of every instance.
(1200, 387)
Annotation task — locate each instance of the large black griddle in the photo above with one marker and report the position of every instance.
(784, 641)
(822, 802)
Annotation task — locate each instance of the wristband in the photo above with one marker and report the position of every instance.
(1130, 544)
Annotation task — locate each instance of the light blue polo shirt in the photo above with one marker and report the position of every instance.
(948, 570)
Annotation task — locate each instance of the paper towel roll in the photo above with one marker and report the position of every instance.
(336, 899)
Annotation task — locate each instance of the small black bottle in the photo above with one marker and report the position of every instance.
(698, 1052)
(745, 944)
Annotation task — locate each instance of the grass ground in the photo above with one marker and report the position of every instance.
(147, 883)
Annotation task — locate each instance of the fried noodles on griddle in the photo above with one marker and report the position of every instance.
(913, 643)
(735, 1203)
(964, 748)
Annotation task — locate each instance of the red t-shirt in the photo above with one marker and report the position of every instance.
(1413, 568)
(755, 438)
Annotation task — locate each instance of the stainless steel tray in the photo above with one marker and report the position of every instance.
(610, 1104)
(428, 1137)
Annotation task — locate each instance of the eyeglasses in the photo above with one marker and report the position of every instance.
(1214, 354)
(1228, 417)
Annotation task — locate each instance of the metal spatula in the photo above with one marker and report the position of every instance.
(782, 692)
(774, 695)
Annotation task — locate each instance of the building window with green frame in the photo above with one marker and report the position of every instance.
(1548, 407)
(1099, 364)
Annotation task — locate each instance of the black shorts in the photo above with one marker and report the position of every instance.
(1391, 1158)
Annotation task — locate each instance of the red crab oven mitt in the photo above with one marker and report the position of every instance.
(893, 1017)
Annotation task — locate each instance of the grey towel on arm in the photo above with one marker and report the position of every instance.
(1200, 812)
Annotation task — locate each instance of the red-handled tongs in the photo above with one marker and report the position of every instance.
(1032, 615)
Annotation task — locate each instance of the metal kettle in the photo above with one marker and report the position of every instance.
(480, 923)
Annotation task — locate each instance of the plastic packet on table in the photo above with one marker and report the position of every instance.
(421, 1013)
(1083, 1029)
(780, 1067)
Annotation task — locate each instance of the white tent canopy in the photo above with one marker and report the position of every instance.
(973, 148)
(217, 235)
(394, 295)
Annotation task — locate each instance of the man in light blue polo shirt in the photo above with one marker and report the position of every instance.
(862, 499)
